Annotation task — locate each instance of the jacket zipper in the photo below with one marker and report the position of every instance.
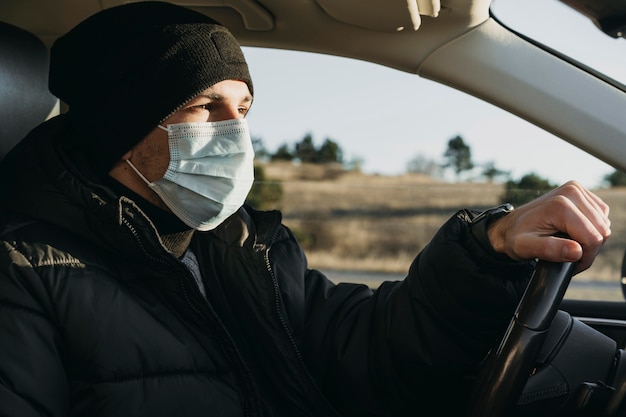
(237, 365)
(239, 368)
(282, 320)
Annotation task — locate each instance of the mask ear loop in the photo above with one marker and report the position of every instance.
(135, 168)
(137, 171)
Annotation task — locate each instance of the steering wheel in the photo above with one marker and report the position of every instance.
(508, 366)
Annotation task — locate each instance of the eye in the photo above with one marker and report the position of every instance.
(205, 106)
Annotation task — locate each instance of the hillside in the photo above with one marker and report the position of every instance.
(353, 221)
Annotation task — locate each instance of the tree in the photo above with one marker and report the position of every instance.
(259, 149)
(355, 164)
(459, 156)
(264, 194)
(330, 152)
(421, 164)
(282, 154)
(305, 150)
(527, 188)
(616, 179)
(491, 172)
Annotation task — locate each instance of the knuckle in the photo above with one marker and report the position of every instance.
(573, 186)
(561, 201)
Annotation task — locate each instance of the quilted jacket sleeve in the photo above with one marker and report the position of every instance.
(32, 378)
(415, 343)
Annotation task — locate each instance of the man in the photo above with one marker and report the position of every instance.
(133, 282)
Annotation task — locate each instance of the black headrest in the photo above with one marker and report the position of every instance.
(25, 100)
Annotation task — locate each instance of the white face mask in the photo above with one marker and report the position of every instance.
(210, 173)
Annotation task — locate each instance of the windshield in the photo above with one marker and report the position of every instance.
(564, 29)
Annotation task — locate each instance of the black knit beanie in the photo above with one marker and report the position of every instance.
(126, 69)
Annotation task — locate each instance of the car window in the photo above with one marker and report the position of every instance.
(365, 219)
(575, 35)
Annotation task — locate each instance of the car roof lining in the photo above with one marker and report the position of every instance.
(301, 25)
(463, 47)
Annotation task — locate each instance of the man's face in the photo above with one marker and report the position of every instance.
(225, 100)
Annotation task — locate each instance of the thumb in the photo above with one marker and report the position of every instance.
(571, 251)
(552, 248)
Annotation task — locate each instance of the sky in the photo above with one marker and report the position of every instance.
(386, 117)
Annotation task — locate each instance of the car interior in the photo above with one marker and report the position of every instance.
(574, 349)
(26, 100)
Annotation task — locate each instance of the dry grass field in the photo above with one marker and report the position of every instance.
(351, 221)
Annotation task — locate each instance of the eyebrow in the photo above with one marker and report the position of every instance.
(219, 97)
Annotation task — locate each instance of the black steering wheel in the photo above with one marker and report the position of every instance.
(508, 366)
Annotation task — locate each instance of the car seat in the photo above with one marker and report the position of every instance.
(25, 100)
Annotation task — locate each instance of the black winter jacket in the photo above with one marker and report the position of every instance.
(98, 318)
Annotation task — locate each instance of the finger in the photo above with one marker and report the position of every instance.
(604, 208)
(579, 213)
(583, 242)
(590, 205)
(529, 232)
(549, 248)
(584, 225)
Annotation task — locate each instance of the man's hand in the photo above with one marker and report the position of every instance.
(529, 231)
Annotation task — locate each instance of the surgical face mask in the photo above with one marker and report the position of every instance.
(210, 173)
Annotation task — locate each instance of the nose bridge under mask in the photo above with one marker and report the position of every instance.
(210, 173)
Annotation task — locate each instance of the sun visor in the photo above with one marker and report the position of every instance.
(381, 15)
